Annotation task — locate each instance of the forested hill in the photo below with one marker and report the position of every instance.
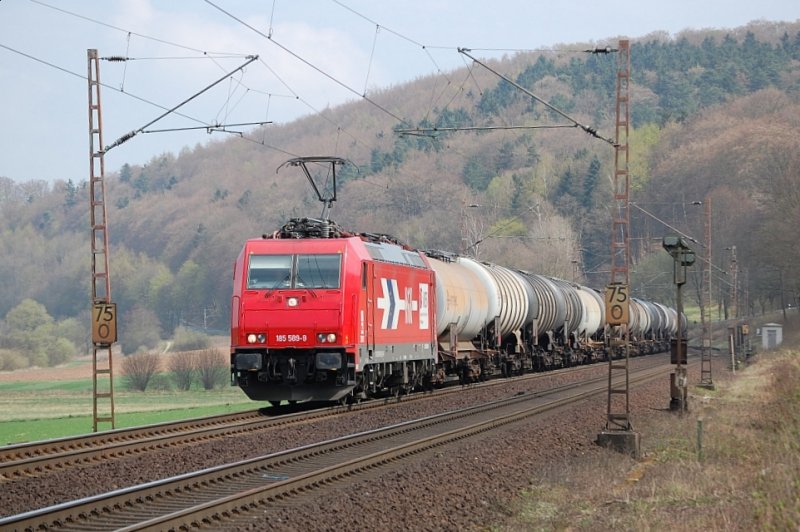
(715, 115)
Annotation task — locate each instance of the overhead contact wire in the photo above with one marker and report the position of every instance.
(104, 85)
(591, 131)
(156, 39)
(371, 57)
(425, 48)
(125, 67)
(205, 55)
(305, 61)
(133, 133)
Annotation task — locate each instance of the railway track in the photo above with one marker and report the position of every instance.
(39, 458)
(218, 496)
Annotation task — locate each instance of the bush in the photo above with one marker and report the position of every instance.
(62, 350)
(11, 359)
(188, 340)
(76, 332)
(212, 368)
(139, 369)
(182, 366)
(30, 331)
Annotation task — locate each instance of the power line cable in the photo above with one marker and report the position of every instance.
(591, 131)
(213, 56)
(143, 36)
(378, 26)
(205, 54)
(430, 131)
(104, 85)
(371, 57)
(133, 133)
(425, 48)
(308, 104)
(306, 62)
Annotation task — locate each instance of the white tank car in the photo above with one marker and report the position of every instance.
(513, 303)
(463, 301)
(593, 311)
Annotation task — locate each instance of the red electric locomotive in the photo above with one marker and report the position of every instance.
(347, 315)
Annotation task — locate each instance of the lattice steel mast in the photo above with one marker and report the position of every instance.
(103, 311)
(618, 418)
(705, 308)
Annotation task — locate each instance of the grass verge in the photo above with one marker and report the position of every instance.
(45, 429)
(732, 463)
(35, 411)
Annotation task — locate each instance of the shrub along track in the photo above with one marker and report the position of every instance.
(217, 496)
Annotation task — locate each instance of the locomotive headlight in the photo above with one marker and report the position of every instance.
(292, 301)
(253, 338)
(326, 338)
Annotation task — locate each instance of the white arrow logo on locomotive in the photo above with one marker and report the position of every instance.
(391, 303)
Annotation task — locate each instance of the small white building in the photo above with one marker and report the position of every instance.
(771, 335)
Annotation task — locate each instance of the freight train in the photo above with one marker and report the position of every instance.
(323, 314)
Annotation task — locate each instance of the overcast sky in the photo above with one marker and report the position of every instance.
(321, 53)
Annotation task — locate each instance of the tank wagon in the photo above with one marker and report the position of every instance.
(319, 313)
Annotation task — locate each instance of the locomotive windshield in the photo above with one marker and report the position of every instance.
(271, 272)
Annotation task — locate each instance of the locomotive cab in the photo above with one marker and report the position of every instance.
(320, 314)
(290, 338)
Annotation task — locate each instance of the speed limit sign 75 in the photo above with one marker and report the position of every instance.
(104, 323)
(617, 304)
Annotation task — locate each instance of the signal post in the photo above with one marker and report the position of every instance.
(683, 257)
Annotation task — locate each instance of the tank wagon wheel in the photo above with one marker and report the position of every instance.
(394, 392)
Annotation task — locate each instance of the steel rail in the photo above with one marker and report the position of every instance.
(205, 497)
(39, 458)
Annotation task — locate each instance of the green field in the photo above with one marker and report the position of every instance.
(33, 411)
